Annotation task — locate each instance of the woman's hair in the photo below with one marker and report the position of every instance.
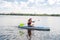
(29, 19)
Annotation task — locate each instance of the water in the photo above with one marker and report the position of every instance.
(10, 31)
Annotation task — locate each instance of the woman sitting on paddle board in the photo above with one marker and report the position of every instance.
(30, 25)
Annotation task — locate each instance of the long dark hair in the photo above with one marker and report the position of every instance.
(30, 19)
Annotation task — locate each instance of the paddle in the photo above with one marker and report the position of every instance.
(21, 32)
(21, 24)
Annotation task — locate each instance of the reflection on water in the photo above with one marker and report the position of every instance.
(10, 31)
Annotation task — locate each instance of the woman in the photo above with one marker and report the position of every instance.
(30, 25)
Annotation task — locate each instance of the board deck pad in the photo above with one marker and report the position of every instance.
(35, 28)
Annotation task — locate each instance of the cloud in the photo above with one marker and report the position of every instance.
(29, 6)
(16, 0)
(51, 2)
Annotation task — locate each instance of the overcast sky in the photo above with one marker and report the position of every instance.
(30, 6)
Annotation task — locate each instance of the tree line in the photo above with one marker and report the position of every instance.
(30, 14)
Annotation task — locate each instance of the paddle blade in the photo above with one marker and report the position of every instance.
(21, 25)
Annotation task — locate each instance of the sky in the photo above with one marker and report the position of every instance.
(30, 6)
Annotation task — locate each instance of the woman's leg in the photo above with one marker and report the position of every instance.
(29, 34)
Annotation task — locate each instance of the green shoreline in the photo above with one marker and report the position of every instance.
(31, 14)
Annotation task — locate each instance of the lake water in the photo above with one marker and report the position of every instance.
(10, 31)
